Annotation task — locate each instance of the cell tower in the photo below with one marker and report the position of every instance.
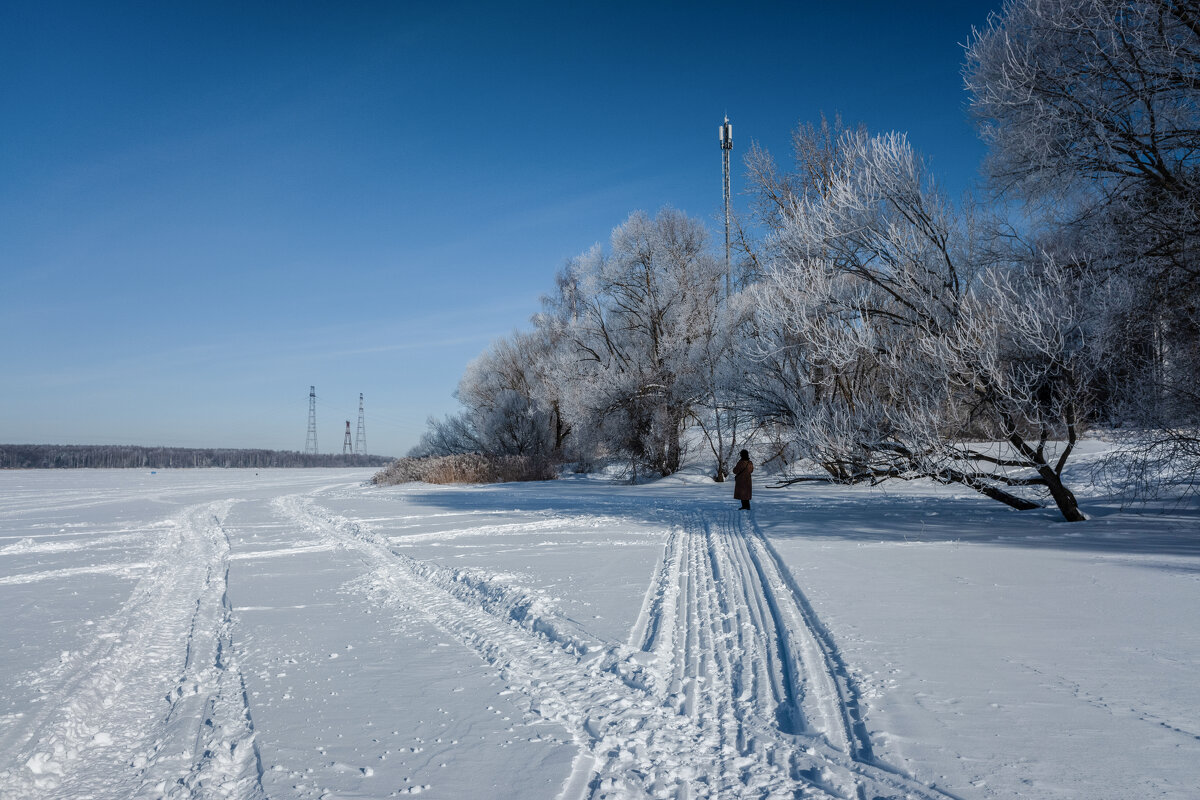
(360, 436)
(347, 447)
(726, 134)
(310, 444)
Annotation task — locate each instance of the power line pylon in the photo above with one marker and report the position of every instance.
(347, 447)
(310, 444)
(360, 436)
(726, 133)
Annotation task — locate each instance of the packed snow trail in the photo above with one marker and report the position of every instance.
(728, 688)
(155, 705)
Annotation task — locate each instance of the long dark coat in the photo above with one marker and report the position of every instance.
(741, 485)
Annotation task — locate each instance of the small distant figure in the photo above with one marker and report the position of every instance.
(742, 487)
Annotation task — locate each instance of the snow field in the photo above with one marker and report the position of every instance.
(95, 703)
(673, 718)
(297, 634)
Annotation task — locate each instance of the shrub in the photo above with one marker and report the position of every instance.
(466, 468)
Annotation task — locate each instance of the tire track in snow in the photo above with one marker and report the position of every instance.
(154, 707)
(732, 687)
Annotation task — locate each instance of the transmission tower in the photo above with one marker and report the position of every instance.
(360, 436)
(726, 133)
(347, 447)
(310, 444)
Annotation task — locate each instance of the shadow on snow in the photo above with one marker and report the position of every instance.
(856, 514)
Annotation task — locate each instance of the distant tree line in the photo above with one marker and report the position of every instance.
(878, 329)
(58, 456)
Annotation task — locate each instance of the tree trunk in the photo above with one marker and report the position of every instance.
(560, 430)
(986, 489)
(1064, 498)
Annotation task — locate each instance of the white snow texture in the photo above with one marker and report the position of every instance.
(301, 634)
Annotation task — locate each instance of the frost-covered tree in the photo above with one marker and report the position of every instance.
(775, 192)
(783, 386)
(722, 412)
(1087, 92)
(453, 434)
(509, 409)
(1094, 106)
(901, 349)
(635, 325)
(508, 398)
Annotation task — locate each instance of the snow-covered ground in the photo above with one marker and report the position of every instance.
(299, 634)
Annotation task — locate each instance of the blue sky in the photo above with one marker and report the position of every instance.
(205, 208)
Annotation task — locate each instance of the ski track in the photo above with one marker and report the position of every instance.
(729, 686)
(155, 706)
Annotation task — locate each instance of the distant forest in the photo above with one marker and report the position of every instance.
(70, 456)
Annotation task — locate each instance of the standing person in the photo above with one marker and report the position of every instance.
(742, 488)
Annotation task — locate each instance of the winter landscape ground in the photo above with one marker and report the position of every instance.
(303, 634)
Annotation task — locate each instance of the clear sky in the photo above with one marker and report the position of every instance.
(207, 207)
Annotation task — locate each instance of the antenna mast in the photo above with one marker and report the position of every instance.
(310, 444)
(347, 447)
(360, 436)
(726, 134)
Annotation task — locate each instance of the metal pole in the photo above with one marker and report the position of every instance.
(726, 146)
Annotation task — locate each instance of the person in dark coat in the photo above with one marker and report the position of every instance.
(742, 488)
